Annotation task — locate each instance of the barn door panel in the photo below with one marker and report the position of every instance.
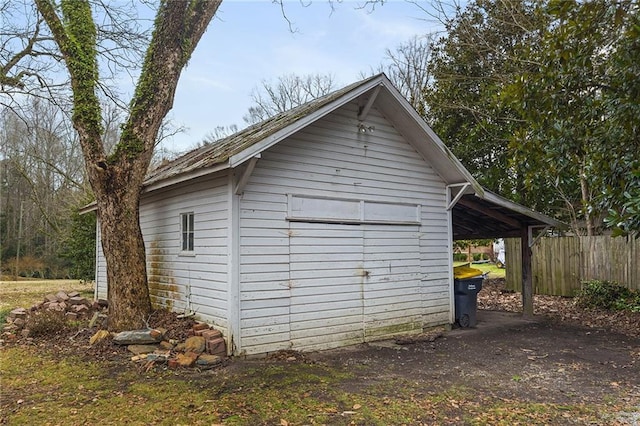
(392, 301)
(327, 276)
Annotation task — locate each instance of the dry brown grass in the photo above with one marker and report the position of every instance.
(25, 293)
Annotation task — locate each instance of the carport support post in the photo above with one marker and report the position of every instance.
(527, 281)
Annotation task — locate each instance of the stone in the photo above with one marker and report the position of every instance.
(18, 313)
(216, 347)
(10, 328)
(186, 359)
(166, 345)
(180, 347)
(158, 333)
(19, 322)
(135, 337)
(99, 336)
(141, 349)
(200, 326)
(211, 334)
(206, 360)
(173, 363)
(61, 296)
(77, 300)
(157, 358)
(73, 294)
(50, 298)
(25, 333)
(79, 308)
(103, 302)
(71, 315)
(195, 344)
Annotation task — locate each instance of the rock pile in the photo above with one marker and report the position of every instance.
(72, 305)
(205, 349)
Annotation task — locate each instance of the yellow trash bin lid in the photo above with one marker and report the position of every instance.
(465, 271)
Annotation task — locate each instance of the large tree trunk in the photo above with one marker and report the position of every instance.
(124, 251)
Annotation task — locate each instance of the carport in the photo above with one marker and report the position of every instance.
(478, 214)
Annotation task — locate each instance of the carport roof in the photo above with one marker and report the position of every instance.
(489, 215)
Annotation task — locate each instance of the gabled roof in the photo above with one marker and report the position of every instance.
(241, 146)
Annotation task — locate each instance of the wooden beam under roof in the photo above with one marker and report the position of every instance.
(489, 212)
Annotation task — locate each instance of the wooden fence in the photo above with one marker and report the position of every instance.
(560, 264)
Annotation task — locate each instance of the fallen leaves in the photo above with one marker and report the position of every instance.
(495, 296)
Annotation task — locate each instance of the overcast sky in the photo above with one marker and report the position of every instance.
(250, 41)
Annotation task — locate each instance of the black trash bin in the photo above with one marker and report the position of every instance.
(466, 285)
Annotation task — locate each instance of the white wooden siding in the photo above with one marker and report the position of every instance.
(188, 281)
(101, 266)
(305, 285)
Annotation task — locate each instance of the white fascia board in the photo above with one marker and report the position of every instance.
(166, 182)
(184, 177)
(273, 139)
(504, 202)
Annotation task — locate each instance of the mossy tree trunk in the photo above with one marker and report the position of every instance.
(117, 178)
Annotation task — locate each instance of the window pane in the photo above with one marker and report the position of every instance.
(187, 231)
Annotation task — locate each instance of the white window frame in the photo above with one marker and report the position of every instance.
(187, 233)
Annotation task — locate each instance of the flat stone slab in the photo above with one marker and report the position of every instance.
(137, 337)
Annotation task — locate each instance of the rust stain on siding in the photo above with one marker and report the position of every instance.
(163, 289)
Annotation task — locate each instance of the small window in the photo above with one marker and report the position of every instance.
(187, 231)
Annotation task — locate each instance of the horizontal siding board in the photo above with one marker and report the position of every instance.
(325, 314)
(270, 312)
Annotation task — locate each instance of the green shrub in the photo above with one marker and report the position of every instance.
(608, 295)
(459, 257)
(477, 257)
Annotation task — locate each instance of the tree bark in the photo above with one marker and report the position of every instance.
(123, 247)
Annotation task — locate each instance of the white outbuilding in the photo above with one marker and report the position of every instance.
(328, 225)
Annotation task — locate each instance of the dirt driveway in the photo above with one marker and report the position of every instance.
(509, 358)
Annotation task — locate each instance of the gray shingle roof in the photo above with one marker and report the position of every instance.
(219, 152)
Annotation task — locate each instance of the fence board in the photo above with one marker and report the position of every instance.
(560, 264)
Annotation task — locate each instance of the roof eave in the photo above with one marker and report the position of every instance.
(519, 208)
